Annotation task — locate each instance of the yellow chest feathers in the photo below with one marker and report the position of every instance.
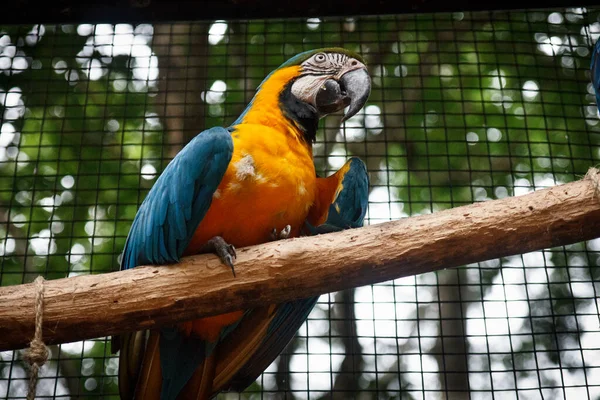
(270, 183)
(277, 165)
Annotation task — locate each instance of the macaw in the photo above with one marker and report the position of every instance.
(595, 72)
(247, 184)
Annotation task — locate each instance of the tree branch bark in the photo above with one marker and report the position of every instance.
(146, 297)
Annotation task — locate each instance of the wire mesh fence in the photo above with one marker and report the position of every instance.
(465, 107)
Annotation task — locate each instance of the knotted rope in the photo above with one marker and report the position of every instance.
(37, 353)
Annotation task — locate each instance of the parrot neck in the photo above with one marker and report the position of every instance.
(303, 115)
(276, 107)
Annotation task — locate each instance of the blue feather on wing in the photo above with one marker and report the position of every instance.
(181, 196)
(595, 71)
(350, 206)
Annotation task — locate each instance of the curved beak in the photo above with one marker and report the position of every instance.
(357, 85)
(351, 89)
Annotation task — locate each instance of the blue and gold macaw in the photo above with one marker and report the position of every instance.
(247, 184)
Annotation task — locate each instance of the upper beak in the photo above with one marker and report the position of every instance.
(351, 89)
(357, 85)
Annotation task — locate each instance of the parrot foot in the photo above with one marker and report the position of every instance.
(284, 234)
(225, 251)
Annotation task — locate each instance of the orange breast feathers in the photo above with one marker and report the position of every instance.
(270, 183)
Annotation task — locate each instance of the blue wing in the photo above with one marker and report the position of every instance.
(595, 72)
(346, 209)
(162, 229)
(181, 196)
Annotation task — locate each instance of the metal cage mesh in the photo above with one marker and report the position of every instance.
(465, 107)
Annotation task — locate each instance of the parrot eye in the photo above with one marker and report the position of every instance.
(320, 58)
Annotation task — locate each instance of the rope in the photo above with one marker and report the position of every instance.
(37, 353)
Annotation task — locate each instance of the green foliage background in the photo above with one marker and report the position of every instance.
(465, 107)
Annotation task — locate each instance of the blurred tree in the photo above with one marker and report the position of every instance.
(182, 52)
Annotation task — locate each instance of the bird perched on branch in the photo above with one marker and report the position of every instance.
(247, 184)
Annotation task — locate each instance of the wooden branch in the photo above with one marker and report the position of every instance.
(89, 306)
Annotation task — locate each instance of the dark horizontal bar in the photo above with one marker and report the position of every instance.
(134, 11)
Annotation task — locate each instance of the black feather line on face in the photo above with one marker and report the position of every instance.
(319, 71)
(304, 115)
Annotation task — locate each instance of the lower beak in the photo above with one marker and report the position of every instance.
(330, 98)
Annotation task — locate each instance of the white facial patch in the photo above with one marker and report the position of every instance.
(306, 87)
(318, 69)
(245, 168)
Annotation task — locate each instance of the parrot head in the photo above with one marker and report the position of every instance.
(308, 87)
(330, 80)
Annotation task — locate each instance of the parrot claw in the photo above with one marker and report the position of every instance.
(283, 234)
(225, 251)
